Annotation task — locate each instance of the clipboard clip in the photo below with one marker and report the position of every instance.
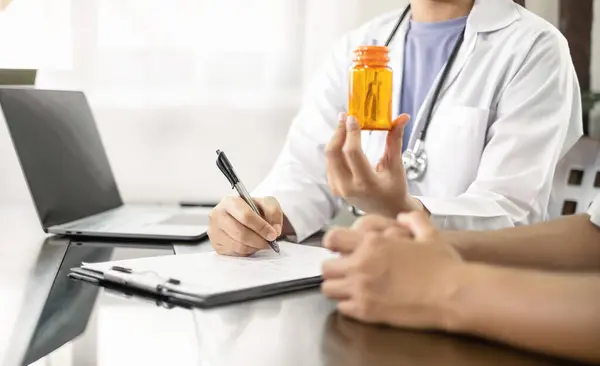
(148, 280)
(129, 295)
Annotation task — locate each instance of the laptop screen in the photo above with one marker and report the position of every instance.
(61, 153)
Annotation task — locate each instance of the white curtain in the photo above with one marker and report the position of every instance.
(248, 53)
(170, 52)
(35, 34)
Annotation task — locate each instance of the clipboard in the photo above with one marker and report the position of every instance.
(260, 276)
(128, 293)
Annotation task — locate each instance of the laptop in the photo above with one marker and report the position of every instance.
(69, 176)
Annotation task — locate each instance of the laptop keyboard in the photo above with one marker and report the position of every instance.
(118, 220)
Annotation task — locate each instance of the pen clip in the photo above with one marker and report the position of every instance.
(226, 168)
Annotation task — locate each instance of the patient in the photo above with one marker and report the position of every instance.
(535, 287)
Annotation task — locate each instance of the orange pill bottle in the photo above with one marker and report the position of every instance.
(371, 84)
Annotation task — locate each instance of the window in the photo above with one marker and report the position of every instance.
(196, 51)
(36, 34)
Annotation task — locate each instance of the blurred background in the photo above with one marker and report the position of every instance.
(171, 81)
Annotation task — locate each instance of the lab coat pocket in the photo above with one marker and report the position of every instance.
(455, 143)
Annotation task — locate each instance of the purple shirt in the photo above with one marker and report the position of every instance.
(428, 47)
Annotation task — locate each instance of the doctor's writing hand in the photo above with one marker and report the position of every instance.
(401, 274)
(380, 190)
(236, 230)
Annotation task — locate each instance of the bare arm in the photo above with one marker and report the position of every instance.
(569, 243)
(419, 281)
(557, 314)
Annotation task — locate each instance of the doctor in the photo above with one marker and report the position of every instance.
(492, 97)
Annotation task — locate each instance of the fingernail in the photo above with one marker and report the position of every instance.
(341, 116)
(398, 121)
(352, 123)
(271, 235)
(277, 228)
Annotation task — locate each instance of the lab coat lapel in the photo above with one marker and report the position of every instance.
(486, 16)
(465, 52)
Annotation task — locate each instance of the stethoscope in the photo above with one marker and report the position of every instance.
(415, 160)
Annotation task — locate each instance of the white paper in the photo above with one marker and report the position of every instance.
(210, 273)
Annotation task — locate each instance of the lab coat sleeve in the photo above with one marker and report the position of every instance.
(594, 211)
(538, 119)
(298, 179)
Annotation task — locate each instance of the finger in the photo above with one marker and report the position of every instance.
(419, 225)
(394, 138)
(349, 308)
(336, 289)
(272, 212)
(373, 223)
(336, 268)
(342, 241)
(226, 245)
(239, 232)
(339, 135)
(401, 121)
(337, 168)
(360, 167)
(213, 233)
(396, 232)
(242, 212)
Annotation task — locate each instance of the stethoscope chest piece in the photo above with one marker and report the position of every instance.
(415, 161)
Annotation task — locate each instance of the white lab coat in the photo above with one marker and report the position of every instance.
(509, 111)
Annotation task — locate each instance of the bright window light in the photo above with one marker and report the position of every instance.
(214, 50)
(36, 34)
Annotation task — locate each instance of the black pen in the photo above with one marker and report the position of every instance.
(197, 204)
(227, 170)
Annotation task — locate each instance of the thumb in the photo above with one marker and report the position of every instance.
(418, 224)
(271, 212)
(395, 136)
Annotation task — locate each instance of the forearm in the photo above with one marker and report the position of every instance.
(557, 314)
(570, 243)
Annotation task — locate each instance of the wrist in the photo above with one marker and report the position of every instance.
(457, 282)
(411, 204)
(392, 207)
(455, 240)
(466, 243)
